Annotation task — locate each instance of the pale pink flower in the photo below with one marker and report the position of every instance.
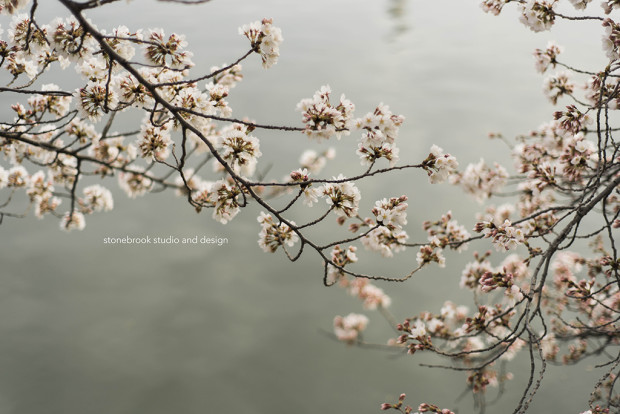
(74, 221)
(265, 40)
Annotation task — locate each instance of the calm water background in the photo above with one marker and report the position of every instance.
(92, 328)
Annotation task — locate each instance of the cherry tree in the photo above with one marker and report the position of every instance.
(545, 271)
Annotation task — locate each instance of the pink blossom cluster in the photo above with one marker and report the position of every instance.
(438, 165)
(342, 195)
(493, 6)
(265, 39)
(611, 39)
(348, 328)
(324, 119)
(419, 331)
(58, 129)
(371, 295)
(609, 5)
(557, 86)
(447, 232)
(538, 15)
(274, 235)
(546, 58)
(422, 408)
(480, 180)
(340, 258)
(566, 169)
(379, 132)
(504, 236)
(386, 235)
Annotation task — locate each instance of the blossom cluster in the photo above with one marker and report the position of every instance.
(343, 196)
(387, 235)
(422, 408)
(371, 296)
(323, 119)
(379, 132)
(273, 235)
(442, 234)
(348, 328)
(439, 165)
(480, 180)
(265, 39)
(557, 86)
(546, 58)
(493, 6)
(239, 149)
(609, 5)
(538, 15)
(58, 129)
(339, 259)
(557, 164)
(504, 236)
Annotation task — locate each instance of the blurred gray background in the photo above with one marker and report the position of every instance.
(93, 328)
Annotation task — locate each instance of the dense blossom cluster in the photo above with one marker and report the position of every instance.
(379, 131)
(371, 296)
(386, 235)
(240, 150)
(58, 129)
(324, 120)
(447, 233)
(342, 195)
(349, 328)
(538, 291)
(273, 235)
(505, 236)
(438, 165)
(339, 259)
(558, 163)
(538, 15)
(265, 39)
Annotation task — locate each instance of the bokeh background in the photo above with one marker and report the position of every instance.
(92, 328)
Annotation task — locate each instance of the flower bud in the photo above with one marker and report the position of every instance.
(354, 227)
